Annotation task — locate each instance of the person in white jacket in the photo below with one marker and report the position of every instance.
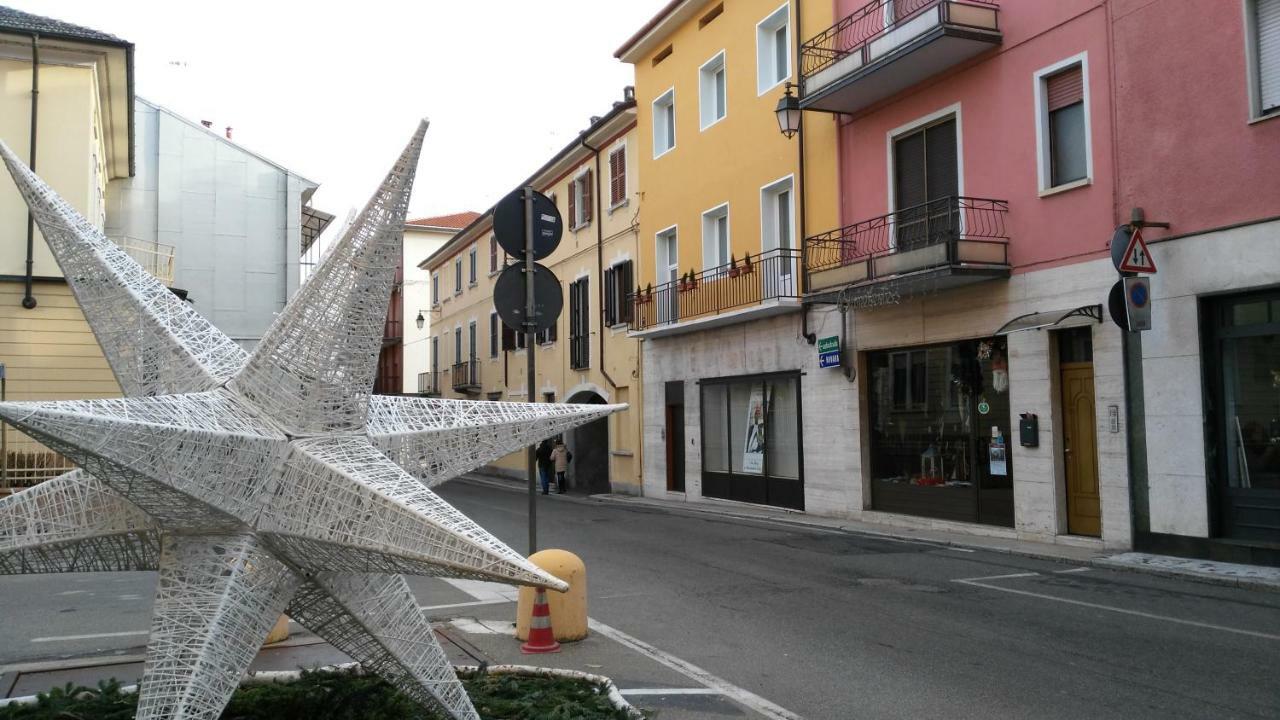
(561, 457)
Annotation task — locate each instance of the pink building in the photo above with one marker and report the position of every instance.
(988, 151)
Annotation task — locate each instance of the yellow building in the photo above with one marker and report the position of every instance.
(731, 383)
(80, 122)
(588, 356)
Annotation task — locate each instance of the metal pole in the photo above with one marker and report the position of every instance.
(528, 349)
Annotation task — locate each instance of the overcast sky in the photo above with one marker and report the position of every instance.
(334, 90)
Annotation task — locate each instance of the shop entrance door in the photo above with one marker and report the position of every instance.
(675, 435)
(1080, 449)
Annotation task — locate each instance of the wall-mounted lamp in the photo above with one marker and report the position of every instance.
(420, 320)
(788, 113)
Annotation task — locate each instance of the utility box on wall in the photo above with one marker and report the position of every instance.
(1029, 430)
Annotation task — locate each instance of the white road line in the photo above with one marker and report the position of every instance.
(450, 606)
(996, 577)
(73, 592)
(1072, 570)
(959, 549)
(1123, 611)
(739, 695)
(670, 691)
(95, 636)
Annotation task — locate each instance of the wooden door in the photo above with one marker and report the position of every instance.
(1080, 450)
(675, 435)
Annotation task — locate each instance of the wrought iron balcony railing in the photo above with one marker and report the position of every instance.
(429, 383)
(944, 232)
(873, 34)
(769, 275)
(466, 376)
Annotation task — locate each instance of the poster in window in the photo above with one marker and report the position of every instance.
(753, 449)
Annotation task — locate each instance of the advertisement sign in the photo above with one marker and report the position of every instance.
(829, 352)
(753, 448)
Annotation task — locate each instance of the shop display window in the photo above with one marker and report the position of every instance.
(751, 442)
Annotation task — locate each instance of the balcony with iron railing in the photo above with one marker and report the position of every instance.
(887, 46)
(943, 243)
(156, 258)
(466, 377)
(753, 287)
(429, 383)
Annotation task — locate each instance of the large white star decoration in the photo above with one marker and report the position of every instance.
(267, 483)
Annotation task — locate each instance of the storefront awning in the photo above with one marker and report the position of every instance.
(1053, 318)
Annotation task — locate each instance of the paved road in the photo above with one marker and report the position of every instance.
(830, 625)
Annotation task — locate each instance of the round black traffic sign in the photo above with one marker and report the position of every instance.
(1115, 306)
(1119, 243)
(509, 297)
(508, 225)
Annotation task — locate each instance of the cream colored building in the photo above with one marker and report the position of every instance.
(587, 357)
(422, 237)
(83, 118)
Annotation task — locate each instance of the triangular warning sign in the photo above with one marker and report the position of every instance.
(1136, 256)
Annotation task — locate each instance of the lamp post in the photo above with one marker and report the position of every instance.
(788, 112)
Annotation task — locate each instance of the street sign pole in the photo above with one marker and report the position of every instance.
(530, 325)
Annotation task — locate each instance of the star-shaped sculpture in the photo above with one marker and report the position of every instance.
(267, 483)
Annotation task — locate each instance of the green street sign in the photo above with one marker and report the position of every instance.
(829, 352)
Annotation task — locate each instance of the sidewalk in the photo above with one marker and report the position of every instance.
(474, 622)
(1207, 571)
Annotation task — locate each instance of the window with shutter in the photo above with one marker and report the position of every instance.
(573, 204)
(610, 301)
(1267, 26)
(493, 335)
(579, 324)
(457, 277)
(1064, 101)
(508, 338)
(588, 185)
(471, 278)
(617, 177)
(493, 254)
(624, 287)
(925, 181)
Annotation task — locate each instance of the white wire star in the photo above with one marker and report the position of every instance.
(264, 484)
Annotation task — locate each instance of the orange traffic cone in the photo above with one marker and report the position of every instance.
(541, 638)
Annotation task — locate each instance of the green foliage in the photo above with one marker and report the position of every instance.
(344, 696)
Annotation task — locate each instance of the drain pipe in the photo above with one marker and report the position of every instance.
(599, 260)
(809, 337)
(29, 300)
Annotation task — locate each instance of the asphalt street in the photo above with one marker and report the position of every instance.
(824, 623)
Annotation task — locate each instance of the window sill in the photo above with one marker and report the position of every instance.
(474, 284)
(664, 152)
(619, 206)
(622, 453)
(1083, 182)
(1274, 114)
(713, 123)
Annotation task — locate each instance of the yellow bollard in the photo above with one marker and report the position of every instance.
(280, 632)
(568, 609)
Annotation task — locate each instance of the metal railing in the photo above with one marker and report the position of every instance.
(754, 279)
(156, 258)
(943, 222)
(429, 383)
(466, 376)
(25, 462)
(856, 32)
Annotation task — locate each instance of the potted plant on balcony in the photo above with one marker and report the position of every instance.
(747, 267)
(733, 267)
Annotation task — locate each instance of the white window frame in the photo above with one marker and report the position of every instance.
(766, 52)
(621, 145)
(768, 194)
(1253, 64)
(662, 263)
(707, 91)
(893, 135)
(666, 99)
(1043, 163)
(579, 221)
(713, 214)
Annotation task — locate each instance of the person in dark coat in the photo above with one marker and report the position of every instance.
(545, 464)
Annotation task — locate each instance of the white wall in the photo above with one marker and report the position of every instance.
(418, 245)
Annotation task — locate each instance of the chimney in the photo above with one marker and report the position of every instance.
(228, 132)
(629, 93)
(207, 123)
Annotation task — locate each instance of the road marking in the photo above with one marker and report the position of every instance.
(739, 695)
(95, 636)
(959, 549)
(73, 592)
(670, 691)
(450, 606)
(482, 590)
(996, 577)
(1123, 611)
(1072, 570)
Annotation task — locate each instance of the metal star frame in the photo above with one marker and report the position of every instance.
(267, 483)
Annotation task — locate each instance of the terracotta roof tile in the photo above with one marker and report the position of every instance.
(456, 221)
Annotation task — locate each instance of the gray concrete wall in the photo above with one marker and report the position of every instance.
(232, 217)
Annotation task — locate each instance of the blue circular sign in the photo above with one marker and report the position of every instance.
(1138, 294)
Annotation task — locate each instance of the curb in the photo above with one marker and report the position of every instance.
(267, 677)
(789, 518)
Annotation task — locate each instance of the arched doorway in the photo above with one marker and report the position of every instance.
(589, 471)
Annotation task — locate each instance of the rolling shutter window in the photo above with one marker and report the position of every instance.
(573, 205)
(1268, 23)
(1065, 88)
(908, 159)
(940, 161)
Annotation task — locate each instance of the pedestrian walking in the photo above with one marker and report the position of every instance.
(561, 456)
(545, 464)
